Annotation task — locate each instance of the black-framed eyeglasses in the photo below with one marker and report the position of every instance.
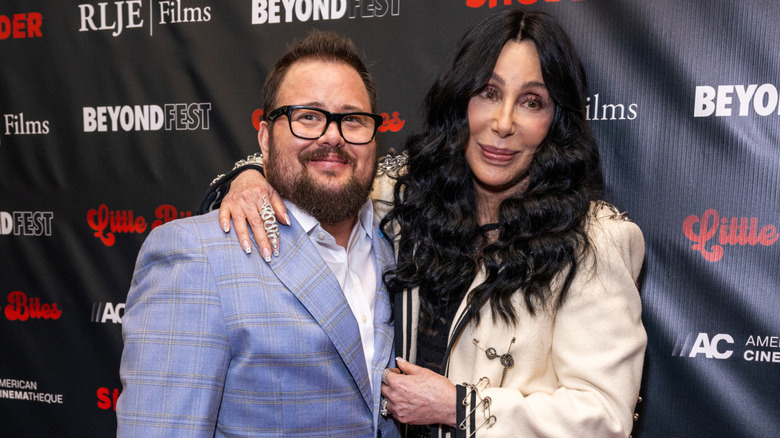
(310, 123)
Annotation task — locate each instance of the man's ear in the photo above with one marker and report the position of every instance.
(262, 137)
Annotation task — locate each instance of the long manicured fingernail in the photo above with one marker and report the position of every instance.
(286, 220)
(266, 255)
(226, 228)
(400, 359)
(247, 247)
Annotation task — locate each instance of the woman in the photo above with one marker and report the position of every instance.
(515, 286)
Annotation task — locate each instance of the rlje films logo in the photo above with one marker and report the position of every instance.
(118, 16)
(711, 233)
(172, 116)
(755, 348)
(287, 11)
(15, 389)
(107, 223)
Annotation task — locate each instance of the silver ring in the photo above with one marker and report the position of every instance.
(383, 411)
(385, 372)
(269, 223)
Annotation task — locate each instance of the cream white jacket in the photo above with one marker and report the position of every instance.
(577, 369)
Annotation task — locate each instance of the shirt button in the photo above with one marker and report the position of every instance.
(321, 236)
(364, 319)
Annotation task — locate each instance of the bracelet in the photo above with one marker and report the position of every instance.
(391, 162)
(256, 159)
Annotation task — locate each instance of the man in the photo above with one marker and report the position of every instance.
(219, 343)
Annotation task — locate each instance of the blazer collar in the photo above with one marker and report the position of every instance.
(301, 269)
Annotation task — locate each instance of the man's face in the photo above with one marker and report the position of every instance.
(327, 177)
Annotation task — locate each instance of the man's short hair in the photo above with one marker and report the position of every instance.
(322, 46)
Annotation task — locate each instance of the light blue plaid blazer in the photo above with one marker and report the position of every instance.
(221, 343)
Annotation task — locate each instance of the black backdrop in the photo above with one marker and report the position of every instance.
(116, 115)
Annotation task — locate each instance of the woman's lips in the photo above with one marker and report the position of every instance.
(496, 154)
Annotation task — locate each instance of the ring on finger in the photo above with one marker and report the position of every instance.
(383, 411)
(269, 224)
(385, 372)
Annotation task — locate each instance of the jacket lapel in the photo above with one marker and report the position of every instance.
(301, 269)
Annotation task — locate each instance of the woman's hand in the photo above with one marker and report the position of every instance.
(419, 396)
(243, 204)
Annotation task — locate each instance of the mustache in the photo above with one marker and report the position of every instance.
(320, 153)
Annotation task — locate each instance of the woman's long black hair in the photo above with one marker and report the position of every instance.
(542, 230)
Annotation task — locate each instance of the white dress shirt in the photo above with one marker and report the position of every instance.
(353, 268)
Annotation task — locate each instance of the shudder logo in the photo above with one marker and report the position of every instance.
(277, 11)
(172, 116)
(18, 26)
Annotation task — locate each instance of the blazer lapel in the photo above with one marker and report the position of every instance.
(383, 314)
(301, 269)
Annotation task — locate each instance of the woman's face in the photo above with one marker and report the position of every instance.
(508, 119)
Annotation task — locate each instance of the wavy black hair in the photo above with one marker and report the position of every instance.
(542, 230)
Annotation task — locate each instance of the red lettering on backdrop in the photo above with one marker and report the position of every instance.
(107, 399)
(257, 115)
(20, 308)
(393, 125)
(166, 213)
(106, 223)
(21, 26)
(730, 231)
(493, 3)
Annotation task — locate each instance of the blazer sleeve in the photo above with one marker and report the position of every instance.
(176, 350)
(598, 347)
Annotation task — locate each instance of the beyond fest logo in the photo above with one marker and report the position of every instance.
(19, 26)
(721, 346)
(107, 223)
(742, 100)
(120, 15)
(26, 223)
(493, 3)
(172, 116)
(711, 233)
(277, 11)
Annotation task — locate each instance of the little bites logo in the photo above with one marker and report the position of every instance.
(389, 123)
(22, 308)
(494, 3)
(288, 11)
(172, 116)
(729, 231)
(18, 26)
(107, 223)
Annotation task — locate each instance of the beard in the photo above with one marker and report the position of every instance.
(328, 205)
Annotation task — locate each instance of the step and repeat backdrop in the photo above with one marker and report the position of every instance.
(116, 115)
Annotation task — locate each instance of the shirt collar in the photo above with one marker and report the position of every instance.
(308, 222)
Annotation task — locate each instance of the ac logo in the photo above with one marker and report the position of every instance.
(104, 312)
(712, 348)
